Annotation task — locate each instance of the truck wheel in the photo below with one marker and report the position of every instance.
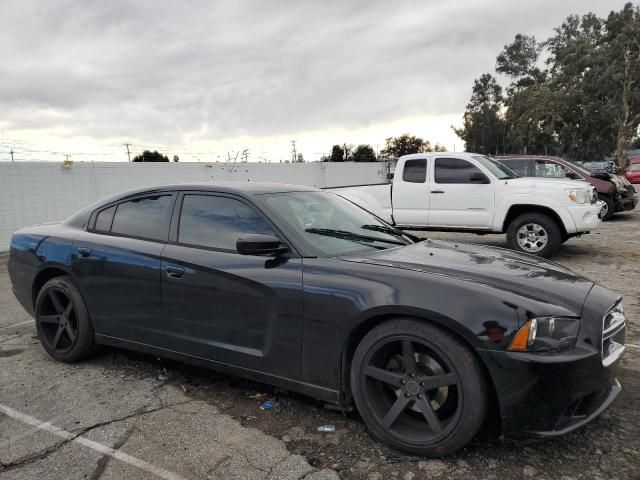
(534, 233)
(609, 207)
(419, 389)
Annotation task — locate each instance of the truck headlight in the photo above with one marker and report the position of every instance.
(579, 195)
(546, 333)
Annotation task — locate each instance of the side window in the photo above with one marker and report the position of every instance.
(146, 217)
(415, 171)
(104, 219)
(454, 170)
(546, 168)
(217, 222)
(522, 167)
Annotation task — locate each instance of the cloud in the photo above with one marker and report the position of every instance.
(168, 72)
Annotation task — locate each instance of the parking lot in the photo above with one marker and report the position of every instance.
(127, 415)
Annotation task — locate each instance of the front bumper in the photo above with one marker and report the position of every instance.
(586, 217)
(552, 393)
(626, 200)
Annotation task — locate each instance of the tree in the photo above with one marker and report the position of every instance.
(622, 75)
(483, 127)
(363, 153)
(404, 145)
(337, 154)
(439, 148)
(300, 158)
(518, 60)
(148, 156)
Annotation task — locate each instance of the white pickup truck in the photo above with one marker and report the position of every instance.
(473, 193)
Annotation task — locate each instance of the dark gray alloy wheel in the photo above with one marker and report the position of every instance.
(62, 321)
(418, 389)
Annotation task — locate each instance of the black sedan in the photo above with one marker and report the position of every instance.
(299, 288)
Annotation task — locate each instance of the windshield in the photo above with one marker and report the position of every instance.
(499, 170)
(331, 225)
(581, 168)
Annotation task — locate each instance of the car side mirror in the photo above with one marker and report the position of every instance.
(478, 177)
(572, 175)
(259, 244)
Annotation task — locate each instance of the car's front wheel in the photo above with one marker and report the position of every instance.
(418, 388)
(609, 208)
(62, 321)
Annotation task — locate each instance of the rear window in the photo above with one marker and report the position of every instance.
(415, 171)
(146, 217)
(104, 219)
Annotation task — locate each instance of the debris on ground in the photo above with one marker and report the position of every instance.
(269, 404)
(327, 428)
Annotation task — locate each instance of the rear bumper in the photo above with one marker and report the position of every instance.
(585, 217)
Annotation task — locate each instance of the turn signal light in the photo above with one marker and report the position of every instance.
(525, 336)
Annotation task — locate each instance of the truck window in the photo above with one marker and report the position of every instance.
(415, 171)
(522, 167)
(454, 170)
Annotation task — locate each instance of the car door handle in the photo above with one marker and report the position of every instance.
(437, 191)
(174, 272)
(84, 252)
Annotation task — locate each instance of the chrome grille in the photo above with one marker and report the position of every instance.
(613, 330)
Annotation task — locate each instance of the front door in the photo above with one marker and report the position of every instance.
(457, 196)
(240, 310)
(411, 194)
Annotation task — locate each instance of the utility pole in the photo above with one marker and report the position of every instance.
(12, 154)
(66, 156)
(128, 153)
(245, 155)
(293, 150)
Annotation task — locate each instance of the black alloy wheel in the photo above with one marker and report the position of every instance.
(58, 321)
(416, 390)
(62, 321)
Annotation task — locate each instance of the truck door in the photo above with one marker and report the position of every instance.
(461, 195)
(410, 194)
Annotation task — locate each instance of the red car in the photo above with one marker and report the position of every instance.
(632, 172)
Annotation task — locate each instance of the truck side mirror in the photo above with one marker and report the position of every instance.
(478, 177)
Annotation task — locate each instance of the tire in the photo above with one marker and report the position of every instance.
(609, 208)
(542, 227)
(62, 321)
(411, 417)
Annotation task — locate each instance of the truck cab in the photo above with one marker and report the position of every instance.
(473, 193)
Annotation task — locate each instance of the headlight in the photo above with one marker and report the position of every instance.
(579, 195)
(546, 333)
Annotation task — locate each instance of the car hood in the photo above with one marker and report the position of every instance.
(525, 275)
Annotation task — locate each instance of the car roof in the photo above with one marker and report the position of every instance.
(239, 188)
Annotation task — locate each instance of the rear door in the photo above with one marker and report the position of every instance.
(240, 310)
(456, 199)
(410, 195)
(116, 263)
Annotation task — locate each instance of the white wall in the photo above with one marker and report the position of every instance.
(38, 192)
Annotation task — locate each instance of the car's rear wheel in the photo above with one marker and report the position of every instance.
(62, 321)
(534, 233)
(609, 207)
(418, 388)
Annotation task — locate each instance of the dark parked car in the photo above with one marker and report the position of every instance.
(617, 194)
(304, 290)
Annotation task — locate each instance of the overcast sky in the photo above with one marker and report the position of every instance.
(203, 78)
